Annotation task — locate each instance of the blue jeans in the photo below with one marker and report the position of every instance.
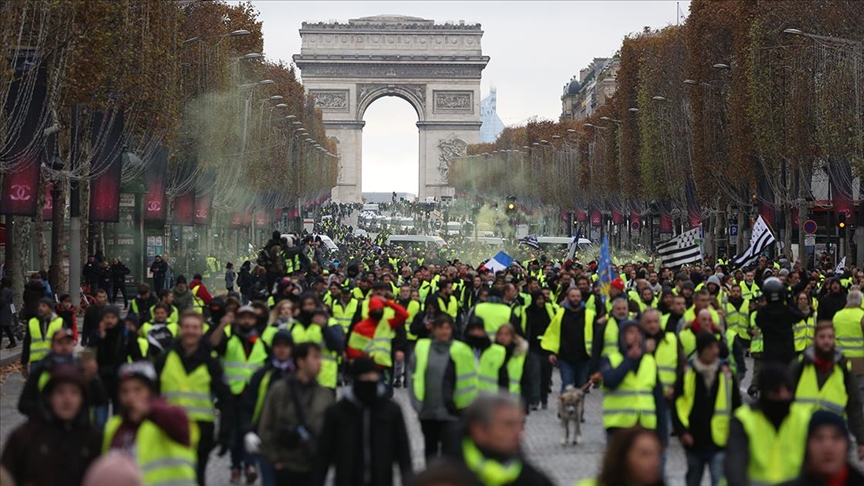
(239, 456)
(573, 373)
(268, 474)
(696, 462)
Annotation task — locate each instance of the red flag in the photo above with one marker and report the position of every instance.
(596, 217)
(184, 209)
(617, 218)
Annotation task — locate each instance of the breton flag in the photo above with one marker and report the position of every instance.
(761, 239)
(530, 240)
(841, 267)
(501, 261)
(684, 248)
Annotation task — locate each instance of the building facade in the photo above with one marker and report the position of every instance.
(584, 95)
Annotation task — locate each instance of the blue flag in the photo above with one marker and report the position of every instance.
(605, 272)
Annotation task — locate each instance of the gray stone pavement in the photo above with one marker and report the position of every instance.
(564, 464)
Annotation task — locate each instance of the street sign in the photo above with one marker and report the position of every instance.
(733, 230)
(635, 225)
(810, 240)
(810, 227)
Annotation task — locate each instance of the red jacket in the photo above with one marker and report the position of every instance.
(203, 293)
(367, 326)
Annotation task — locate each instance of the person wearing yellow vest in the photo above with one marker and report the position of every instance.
(443, 383)
(706, 396)
(491, 445)
(403, 343)
(703, 322)
(570, 340)
(632, 392)
(37, 339)
(824, 381)
(447, 302)
(278, 367)
(190, 378)
(62, 352)
(373, 337)
(514, 360)
(633, 456)
(243, 352)
(663, 346)
(314, 325)
(166, 297)
(200, 295)
(849, 327)
(346, 309)
(767, 439)
(158, 333)
(493, 312)
(281, 318)
(610, 325)
(142, 303)
(160, 437)
(803, 329)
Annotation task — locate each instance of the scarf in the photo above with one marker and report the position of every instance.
(707, 371)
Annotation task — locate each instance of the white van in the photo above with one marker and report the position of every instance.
(416, 241)
(371, 207)
(454, 228)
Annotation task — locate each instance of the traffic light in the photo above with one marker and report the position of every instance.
(841, 220)
(511, 204)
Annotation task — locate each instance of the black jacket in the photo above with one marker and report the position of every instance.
(776, 322)
(703, 410)
(250, 397)
(856, 478)
(33, 291)
(363, 444)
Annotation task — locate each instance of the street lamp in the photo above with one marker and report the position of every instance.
(276, 97)
(720, 65)
(633, 110)
(281, 105)
(690, 81)
(658, 98)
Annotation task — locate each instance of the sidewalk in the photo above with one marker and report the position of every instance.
(8, 356)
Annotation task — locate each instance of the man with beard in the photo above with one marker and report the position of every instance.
(570, 340)
(767, 439)
(824, 382)
(671, 322)
(491, 443)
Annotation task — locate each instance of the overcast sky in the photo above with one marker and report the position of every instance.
(535, 47)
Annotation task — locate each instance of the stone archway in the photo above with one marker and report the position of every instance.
(434, 67)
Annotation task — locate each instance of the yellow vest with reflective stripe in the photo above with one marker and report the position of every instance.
(450, 308)
(756, 344)
(666, 356)
(378, 347)
(344, 313)
(314, 334)
(197, 302)
(775, 456)
(515, 367)
(263, 388)
(738, 318)
(238, 367)
(413, 309)
(465, 367)
(494, 315)
(848, 335)
(161, 461)
(832, 397)
(491, 361)
(632, 402)
(804, 330)
(722, 404)
(551, 340)
(489, 471)
(190, 391)
(40, 344)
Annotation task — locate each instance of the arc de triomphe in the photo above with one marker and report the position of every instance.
(435, 67)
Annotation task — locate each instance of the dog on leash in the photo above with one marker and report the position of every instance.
(571, 405)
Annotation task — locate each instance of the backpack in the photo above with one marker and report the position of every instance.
(264, 259)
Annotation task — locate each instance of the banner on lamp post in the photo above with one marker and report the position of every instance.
(203, 208)
(154, 200)
(106, 166)
(184, 209)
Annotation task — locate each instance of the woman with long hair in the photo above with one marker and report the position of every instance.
(633, 458)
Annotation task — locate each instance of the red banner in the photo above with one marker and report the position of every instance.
(184, 209)
(24, 103)
(203, 208)
(596, 218)
(581, 216)
(665, 223)
(107, 166)
(694, 217)
(261, 219)
(635, 220)
(237, 219)
(617, 218)
(154, 200)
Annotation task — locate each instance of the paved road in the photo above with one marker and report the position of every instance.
(563, 464)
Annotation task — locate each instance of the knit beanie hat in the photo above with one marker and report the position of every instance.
(111, 309)
(112, 469)
(703, 340)
(361, 366)
(824, 417)
(773, 377)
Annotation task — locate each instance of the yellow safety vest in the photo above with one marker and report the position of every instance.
(832, 397)
(666, 356)
(804, 331)
(378, 347)
(757, 345)
(775, 456)
(465, 367)
(688, 341)
(40, 344)
(690, 315)
(494, 315)
(551, 340)
(238, 367)
(197, 302)
(173, 318)
(190, 391)
(738, 318)
(610, 336)
(344, 313)
(263, 388)
(162, 461)
(491, 361)
(515, 367)
(450, 308)
(633, 401)
(722, 405)
(489, 471)
(314, 334)
(413, 309)
(848, 333)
